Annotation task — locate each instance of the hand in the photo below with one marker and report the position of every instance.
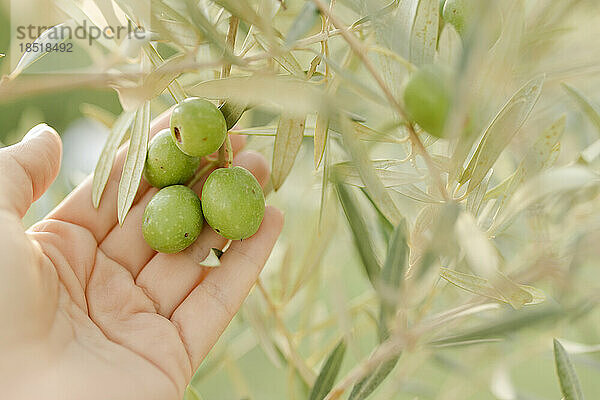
(87, 309)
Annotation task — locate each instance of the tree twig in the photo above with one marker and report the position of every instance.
(361, 52)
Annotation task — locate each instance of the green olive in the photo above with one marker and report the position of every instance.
(167, 165)
(198, 127)
(427, 98)
(233, 202)
(462, 14)
(172, 219)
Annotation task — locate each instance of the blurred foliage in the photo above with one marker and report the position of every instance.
(410, 266)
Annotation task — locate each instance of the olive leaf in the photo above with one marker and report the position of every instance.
(480, 253)
(244, 12)
(373, 184)
(348, 173)
(501, 130)
(586, 105)
(277, 92)
(232, 112)
(105, 163)
(476, 197)
(176, 26)
(534, 161)
(412, 191)
(367, 385)
(549, 183)
(536, 158)
(393, 271)
(288, 141)
(321, 129)
(569, 383)
(424, 32)
(208, 29)
(360, 232)
(284, 58)
(450, 47)
(162, 74)
(50, 38)
(484, 287)
(153, 84)
(306, 19)
(510, 322)
(329, 372)
(134, 162)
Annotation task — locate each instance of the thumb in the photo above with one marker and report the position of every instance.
(28, 168)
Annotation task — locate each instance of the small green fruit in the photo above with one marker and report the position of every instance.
(172, 219)
(458, 13)
(233, 202)
(427, 98)
(198, 127)
(165, 164)
(462, 14)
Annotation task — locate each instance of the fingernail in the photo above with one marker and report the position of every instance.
(36, 130)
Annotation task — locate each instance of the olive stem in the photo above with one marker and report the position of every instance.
(201, 172)
(225, 151)
(361, 52)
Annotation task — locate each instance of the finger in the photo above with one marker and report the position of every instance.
(168, 278)
(28, 168)
(125, 243)
(207, 311)
(77, 207)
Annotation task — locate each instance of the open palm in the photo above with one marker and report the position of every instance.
(87, 309)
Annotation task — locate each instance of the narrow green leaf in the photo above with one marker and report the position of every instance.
(510, 322)
(450, 47)
(476, 197)
(374, 186)
(288, 141)
(306, 19)
(276, 91)
(590, 109)
(134, 162)
(209, 30)
(362, 238)
(175, 26)
(244, 11)
(367, 385)
(501, 130)
(537, 157)
(321, 129)
(50, 37)
(480, 253)
(413, 192)
(347, 173)
(549, 183)
(328, 373)
(424, 33)
(392, 273)
(107, 156)
(484, 287)
(156, 59)
(284, 58)
(569, 383)
(232, 111)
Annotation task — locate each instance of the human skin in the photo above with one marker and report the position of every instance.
(88, 309)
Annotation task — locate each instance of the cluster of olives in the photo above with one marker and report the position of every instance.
(232, 200)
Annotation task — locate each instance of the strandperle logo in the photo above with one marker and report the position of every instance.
(81, 32)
